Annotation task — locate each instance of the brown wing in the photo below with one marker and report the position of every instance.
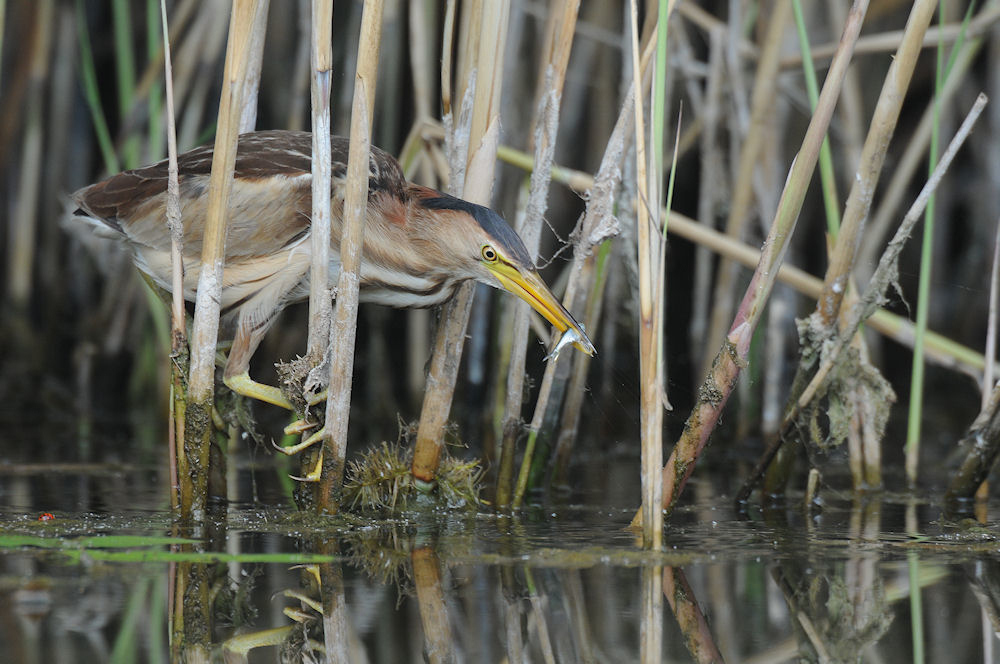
(270, 202)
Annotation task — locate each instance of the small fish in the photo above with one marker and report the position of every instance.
(570, 336)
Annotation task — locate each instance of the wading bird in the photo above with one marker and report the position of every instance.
(419, 246)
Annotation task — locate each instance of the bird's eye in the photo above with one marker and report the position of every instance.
(489, 254)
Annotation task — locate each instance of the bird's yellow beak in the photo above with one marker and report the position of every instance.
(528, 286)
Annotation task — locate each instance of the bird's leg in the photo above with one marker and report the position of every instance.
(295, 427)
(237, 373)
(314, 474)
(299, 427)
(246, 386)
(237, 377)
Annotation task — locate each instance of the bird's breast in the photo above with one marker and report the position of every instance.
(399, 289)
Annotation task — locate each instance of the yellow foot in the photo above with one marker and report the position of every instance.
(314, 474)
(248, 387)
(312, 570)
(299, 426)
(305, 599)
(307, 442)
(317, 398)
(298, 615)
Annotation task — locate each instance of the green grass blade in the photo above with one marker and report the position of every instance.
(92, 94)
(915, 409)
(829, 184)
(121, 18)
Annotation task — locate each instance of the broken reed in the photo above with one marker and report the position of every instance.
(482, 40)
(345, 316)
(245, 21)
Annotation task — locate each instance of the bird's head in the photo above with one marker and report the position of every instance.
(477, 240)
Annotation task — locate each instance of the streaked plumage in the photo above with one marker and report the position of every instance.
(420, 244)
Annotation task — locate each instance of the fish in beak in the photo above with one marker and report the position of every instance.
(528, 285)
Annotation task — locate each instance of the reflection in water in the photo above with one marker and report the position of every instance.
(564, 586)
(440, 646)
(690, 619)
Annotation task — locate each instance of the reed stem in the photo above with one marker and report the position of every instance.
(558, 40)
(180, 365)
(345, 315)
(740, 209)
(915, 409)
(880, 281)
(320, 297)
(650, 412)
(197, 437)
(730, 360)
(486, 69)
(831, 202)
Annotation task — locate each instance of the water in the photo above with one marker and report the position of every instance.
(565, 582)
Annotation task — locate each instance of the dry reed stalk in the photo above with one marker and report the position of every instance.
(941, 350)
(983, 436)
(906, 167)
(335, 612)
(22, 232)
(597, 224)
(150, 77)
(300, 74)
(197, 437)
(982, 493)
(851, 106)
(419, 320)
(478, 178)
(548, 95)
(61, 108)
(433, 608)
(712, 181)
(731, 359)
(447, 42)
(650, 267)
(251, 82)
(983, 443)
(650, 413)
(761, 115)
(690, 619)
(542, 631)
(883, 123)
(858, 206)
(885, 42)
(345, 315)
(178, 317)
(885, 274)
(594, 274)
(320, 300)
(201, 48)
(651, 614)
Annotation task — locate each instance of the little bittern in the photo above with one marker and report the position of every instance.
(420, 244)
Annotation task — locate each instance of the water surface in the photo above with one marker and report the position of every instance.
(563, 582)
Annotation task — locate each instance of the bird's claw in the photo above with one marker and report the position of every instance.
(316, 399)
(300, 426)
(314, 474)
(306, 443)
